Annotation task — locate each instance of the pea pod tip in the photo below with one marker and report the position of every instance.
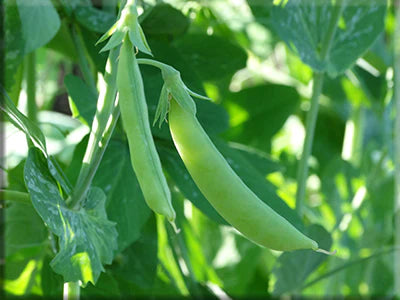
(176, 229)
(325, 251)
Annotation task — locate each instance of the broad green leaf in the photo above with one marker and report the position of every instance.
(125, 203)
(304, 27)
(375, 87)
(62, 42)
(24, 228)
(261, 10)
(40, 22)
(329, 135)
(138, 262)
(82, 100)
(99, 59)
(212, 57)
(164, 19)
(264, 110)
(258, 159)
(379, 55)
(106, 287)
(87, 239)
(94, 19)
(14, 48)
(293, 268)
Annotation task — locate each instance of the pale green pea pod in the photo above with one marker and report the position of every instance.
(226, 192)
(134, 114)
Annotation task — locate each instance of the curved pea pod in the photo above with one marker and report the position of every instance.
(134, 114)
(226, 192)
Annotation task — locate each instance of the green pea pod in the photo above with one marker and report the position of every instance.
(134, 114)
(234, 201)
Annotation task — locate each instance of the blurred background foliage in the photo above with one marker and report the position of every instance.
(239, 54)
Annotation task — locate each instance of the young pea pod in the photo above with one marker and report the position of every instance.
(134, 114)
(227, 193)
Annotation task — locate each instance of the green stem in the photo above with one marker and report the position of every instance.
(15, 196)
(192, 284)
(103, 125)
(347, 265)
(72, 291)
(313, 113)
(83, 58)
(152, 62)
(397, 150)
(31, 86)
(310, 128)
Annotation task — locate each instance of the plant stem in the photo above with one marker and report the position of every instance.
(397, 150)
(83, 58)
(347, 265)
(176, 244)
(310, 128)
(31, 86)
(103, 125)
(71, 291)
(313, 113)
(14, 196)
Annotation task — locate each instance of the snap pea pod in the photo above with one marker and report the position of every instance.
(233, 200)
(134, 114)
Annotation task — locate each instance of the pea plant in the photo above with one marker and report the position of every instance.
(212, 149)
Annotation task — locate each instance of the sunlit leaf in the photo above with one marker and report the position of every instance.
(87, 239)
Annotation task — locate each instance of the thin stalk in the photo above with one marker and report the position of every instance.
(307, 147)
(72, 291)
(313, 113)
(31, 86)
(15, 196)
(192, 284)
(347, 265)
(83, 58)
(397, 150)
(103, 125)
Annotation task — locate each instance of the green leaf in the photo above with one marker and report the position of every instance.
(87, 240)
(293, 268)
(125, 202)
(24, 229)
(138, 263)
(21, 122)
(212, 57)
(82, 99)
(14, 48)
(40, 22)
(164, 19)
(162, 107)
(305, 25)
(94, 19)
(265, 109)
(62, 42)
(329, 135)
